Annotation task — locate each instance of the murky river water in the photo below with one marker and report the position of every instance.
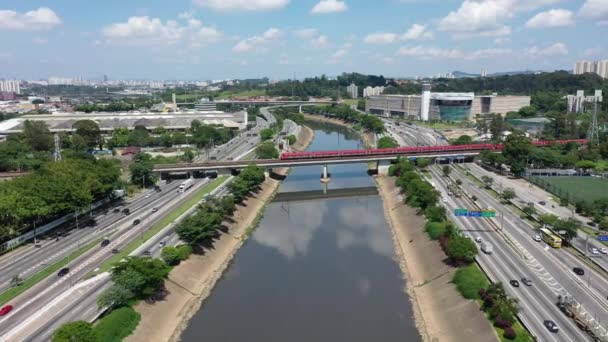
(320, 270)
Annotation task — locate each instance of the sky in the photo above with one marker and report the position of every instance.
(219, 39)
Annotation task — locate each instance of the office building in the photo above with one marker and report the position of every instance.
(444, 106)
(353, 91)
(599, 67)
(484, 72)
(579, 103)
(372, 91)
(10, 86)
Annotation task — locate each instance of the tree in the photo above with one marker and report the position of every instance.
(171, 255)
(266, 134)
(291, 139)
(114, 297)
(90, 132)
(461, 249)
(459, 182)
(423, 163)
(571, 226)
(266, 150)
(435, 214)
(488, 181)
(16, 280)
(141, 276)
(508, 194)
(446, 170)
(527, 111)
(37, 135)
(387, 142)
(585, 165)
(188, 155)
(529, 210)
(548, 219)
(497, 127)
(78, 331)
(463, 140)
(516, 149)
(139, 137)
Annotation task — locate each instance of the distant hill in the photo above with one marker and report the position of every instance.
(462, 74)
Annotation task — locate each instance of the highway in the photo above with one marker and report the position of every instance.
(412, 135)
(536, 302)
(53, 286)
(529, 193)
(29, 259)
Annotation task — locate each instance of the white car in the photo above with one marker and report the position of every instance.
(595, 251)
(148, 195)
(478, 239)
(444, 200)
(604, 250)
(536, 238)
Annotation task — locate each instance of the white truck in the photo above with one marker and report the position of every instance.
(487, 248)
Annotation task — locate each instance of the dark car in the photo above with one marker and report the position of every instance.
(154, 210)
(136, 222)
(116, 210)
(115, 251)
(157, 188)
(551, 325)
(578, 271)
(147, 253)
(526, 281)
(126, 211)
(63, 271)
(105, 242)
(542, 203)
(514, 283)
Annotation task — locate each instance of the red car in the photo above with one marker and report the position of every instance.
(5, 310)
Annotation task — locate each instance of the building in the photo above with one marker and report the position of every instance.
(353, 91)
(599, 67)
(579, 103)
(205, 105)
(10, 86)
(444, 106)
(372, 91)
(484, 72)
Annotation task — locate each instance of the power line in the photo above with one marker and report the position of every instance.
(594, 134)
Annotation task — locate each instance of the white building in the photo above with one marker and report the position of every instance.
(484, 72)
(10, 86)
(353, 91)
(599, 67)
(373, 91)
(579, 103)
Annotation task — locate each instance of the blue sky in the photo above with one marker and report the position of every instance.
(211, 39)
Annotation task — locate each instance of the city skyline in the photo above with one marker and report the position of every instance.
(207, 39)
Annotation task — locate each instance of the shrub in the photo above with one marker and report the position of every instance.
(435, 213)
(470, 282)
(499, 322)
(461, 249)
(174, 255)
(435, 229)
(510, 333)
(117, 325)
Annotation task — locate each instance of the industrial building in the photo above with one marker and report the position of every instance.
(444, 106)
(108, 122)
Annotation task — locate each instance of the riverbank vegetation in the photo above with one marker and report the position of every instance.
(387, 142)
(113, 327)
(343, 112)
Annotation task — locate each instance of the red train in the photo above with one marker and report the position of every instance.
(413, 150)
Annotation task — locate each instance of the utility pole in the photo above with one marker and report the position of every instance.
(594, 134)
(57, 152)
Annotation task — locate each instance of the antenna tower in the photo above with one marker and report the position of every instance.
(57, 152)
(594, 134)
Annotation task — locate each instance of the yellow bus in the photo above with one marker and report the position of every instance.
(551, 238)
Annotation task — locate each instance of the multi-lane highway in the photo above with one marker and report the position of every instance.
(412, 135)
(509, 262)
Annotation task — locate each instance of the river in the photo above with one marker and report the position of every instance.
(321, 270)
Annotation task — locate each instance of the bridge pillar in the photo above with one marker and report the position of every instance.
(300, 109)
(325, 177)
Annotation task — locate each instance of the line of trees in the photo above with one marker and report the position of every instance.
(344, 112)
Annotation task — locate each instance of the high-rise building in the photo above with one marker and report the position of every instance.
(353, 91)
(484, 72)
(599, 67)
(10, 86)
(105, 78)
(372, 91)
(579, 103)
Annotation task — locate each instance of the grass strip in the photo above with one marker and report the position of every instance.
(117, 325)
(469, 280)
(192, 201)
(37, 277)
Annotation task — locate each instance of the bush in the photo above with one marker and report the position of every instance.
(75, 331)
(471, 282)
(435, 229)
(509, 333)
(461, 249)
(184, 251)
(174, 255)
(499, 322)
(435, 213)
(117, 325)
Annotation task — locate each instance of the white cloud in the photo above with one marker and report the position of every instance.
(416, 32)
(144, 30)
(486, 18)
(487, 53)
(329, 6)
(557, 49)
(596, 9)
(256, 42)
(423, 52)
(551, 18)
(381, 38)
(307, 33)
(313, 37)
(42, 18)
(40, 41)
(242, 5)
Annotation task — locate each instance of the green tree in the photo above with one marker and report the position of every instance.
(90, 132)
(141, 170)
(266, 134)
(291, 139)
(446, 170)
(139, 137)
(171, 255)
(527, 111)
(487, 181)
(141, 276)
(529, 210)
(435, 214)
(423, 163)
(188, 155)
(548, 219)
(516, 149)
(37, 135)
(463, 140)
(266, 150)
(387, 142)
(78, 331)
(461, 249)
(508, 194)
(115, 296)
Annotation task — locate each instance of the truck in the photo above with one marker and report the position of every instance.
(487, 248)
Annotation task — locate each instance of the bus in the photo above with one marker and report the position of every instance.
(551, 238)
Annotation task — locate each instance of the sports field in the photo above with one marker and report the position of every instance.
(575, 188)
